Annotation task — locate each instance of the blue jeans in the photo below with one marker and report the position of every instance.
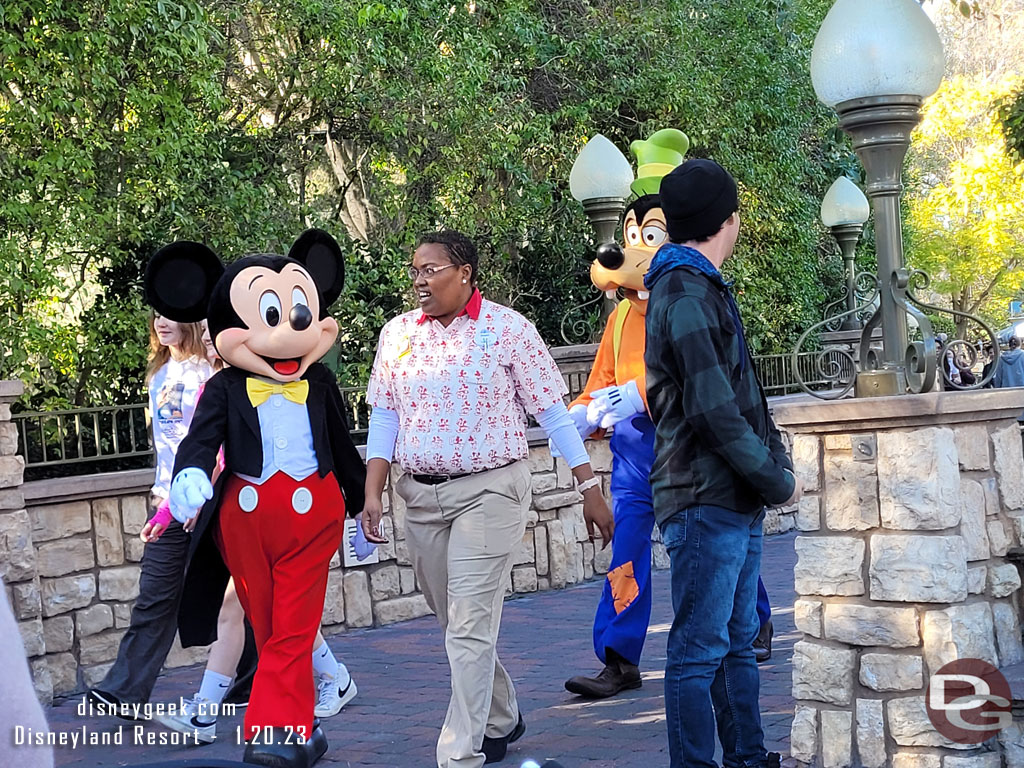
(711, 672)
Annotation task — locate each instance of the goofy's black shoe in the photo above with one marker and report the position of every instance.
(618, 675)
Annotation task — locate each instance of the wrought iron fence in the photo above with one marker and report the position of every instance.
(87, 440)
(778, 378)
(83, 435)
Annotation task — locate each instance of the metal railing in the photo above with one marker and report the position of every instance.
(86, 440)
(81, 435)
(357, 411)
(778, 378)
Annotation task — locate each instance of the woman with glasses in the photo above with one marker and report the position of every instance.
(451, 388)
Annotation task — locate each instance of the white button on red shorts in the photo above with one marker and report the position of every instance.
(302, 500)
(248, 498)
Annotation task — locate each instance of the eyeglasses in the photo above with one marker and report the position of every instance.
(427, 272)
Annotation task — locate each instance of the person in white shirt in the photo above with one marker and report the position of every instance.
(177, 369)
(451, 388)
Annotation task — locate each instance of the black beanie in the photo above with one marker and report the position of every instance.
(696, 198)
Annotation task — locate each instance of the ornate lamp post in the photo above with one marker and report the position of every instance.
(844, 210)
(874, 62)
(600, 180)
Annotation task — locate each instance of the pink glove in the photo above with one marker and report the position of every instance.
(157, 523)
(163, 514)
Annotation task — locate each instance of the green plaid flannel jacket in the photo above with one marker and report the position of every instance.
(715, 441)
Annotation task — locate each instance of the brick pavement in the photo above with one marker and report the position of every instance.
(401, 672)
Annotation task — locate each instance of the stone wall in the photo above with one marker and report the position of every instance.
(911, 506)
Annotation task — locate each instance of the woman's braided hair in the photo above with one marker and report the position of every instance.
(460, 248)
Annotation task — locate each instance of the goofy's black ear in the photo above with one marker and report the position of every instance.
(321, 255)
(180, 279)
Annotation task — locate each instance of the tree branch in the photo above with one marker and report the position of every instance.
(1009, 266)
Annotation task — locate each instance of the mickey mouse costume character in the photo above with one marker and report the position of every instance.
(291, 469)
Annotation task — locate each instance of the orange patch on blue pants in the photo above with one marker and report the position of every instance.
(624, 587)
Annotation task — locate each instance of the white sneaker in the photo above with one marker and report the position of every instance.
(193, 719)
(330, 698)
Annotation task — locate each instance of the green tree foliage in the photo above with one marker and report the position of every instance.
(1011, 112)
(967, 207)
(124, 125)
(112, 136)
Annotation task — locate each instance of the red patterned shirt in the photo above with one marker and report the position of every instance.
(462, 392)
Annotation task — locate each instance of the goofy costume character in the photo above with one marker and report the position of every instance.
(290, 467)
(616, 395)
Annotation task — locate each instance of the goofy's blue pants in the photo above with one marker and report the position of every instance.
(624, 612)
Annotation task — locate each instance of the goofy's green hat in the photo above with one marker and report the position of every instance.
(656, 157)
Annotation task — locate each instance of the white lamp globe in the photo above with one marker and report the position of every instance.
(876, 48)
(600, 170)
(844, 203)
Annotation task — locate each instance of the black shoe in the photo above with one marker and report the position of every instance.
(316, 745)
(763, 643)
(774, 760)
(494, 749)
(617, 676)
(109, 705)
(279, 755)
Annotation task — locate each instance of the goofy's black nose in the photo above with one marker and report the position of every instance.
(610, 256)
(300, 317)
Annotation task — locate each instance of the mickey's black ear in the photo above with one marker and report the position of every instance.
(321, 256)
(179, 280)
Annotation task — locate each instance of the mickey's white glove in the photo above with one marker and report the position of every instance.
(614, 404)
(578, 414)
(190, 489)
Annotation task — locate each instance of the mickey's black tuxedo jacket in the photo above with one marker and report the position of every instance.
(224, 416)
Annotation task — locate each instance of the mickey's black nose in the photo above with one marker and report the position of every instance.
(300, 317)
(610, 256)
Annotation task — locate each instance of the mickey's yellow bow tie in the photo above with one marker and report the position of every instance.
(259, 391)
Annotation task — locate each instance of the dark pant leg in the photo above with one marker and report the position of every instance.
(764, 606)
(154, 622)
(241, 688)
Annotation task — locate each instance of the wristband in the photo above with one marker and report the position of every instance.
(586, 485)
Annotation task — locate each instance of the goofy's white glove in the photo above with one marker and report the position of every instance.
(190, 489)
(578, 414)
(614, 404)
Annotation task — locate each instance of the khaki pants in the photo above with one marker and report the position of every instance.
(461, 537)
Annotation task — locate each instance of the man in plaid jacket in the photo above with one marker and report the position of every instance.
(719, 461)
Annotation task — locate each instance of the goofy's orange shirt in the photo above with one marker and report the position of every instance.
(620, 356)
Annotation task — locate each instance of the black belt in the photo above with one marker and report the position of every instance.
(438, 479)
